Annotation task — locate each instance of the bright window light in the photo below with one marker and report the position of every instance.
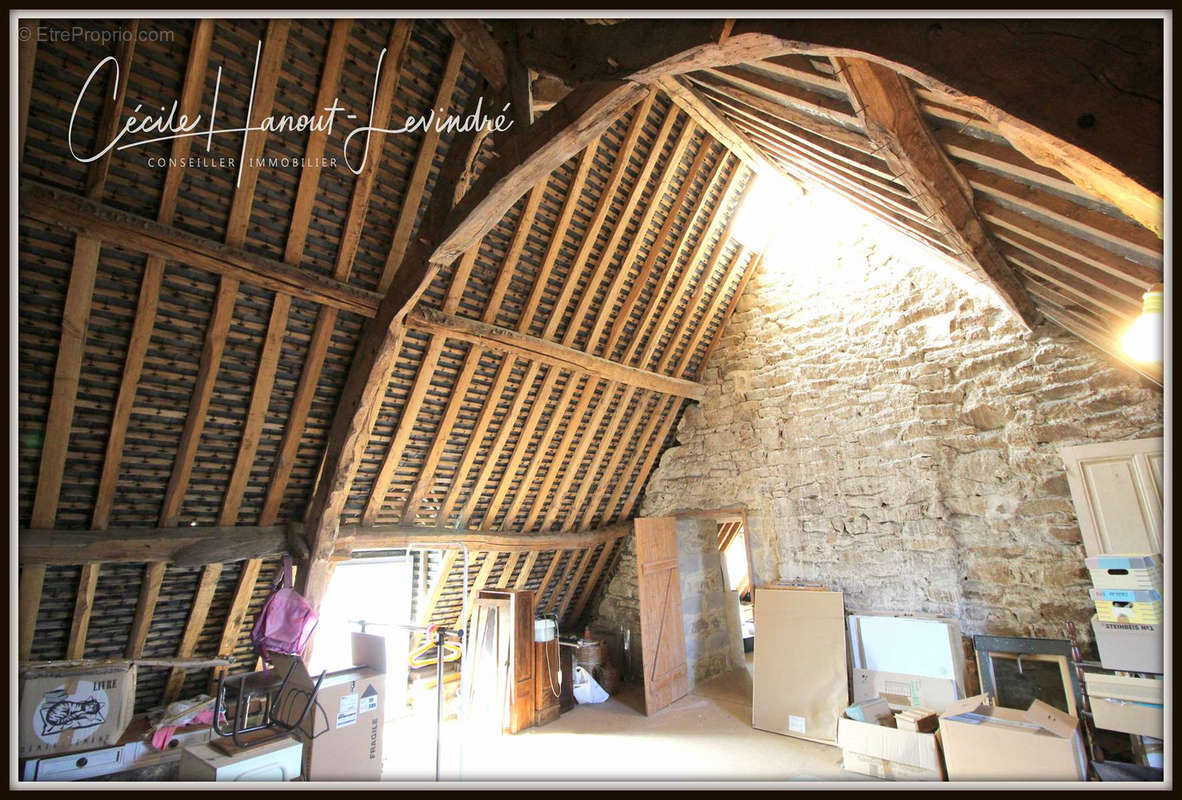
(764, 210)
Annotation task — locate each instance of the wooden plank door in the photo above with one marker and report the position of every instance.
(1116, 488)
(662, 638)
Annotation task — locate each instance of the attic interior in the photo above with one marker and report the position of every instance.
(399, 399)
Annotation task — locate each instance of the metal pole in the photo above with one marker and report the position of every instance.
(439, 638)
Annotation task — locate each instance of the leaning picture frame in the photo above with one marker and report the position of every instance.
(1015, 670)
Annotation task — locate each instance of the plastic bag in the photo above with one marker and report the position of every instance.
(587, 690)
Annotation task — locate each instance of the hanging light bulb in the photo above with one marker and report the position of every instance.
(1142, 342)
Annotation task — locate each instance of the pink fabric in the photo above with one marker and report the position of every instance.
(163, 736)
(286, 622)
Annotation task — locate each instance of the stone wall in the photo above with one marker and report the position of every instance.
(713, 640)
(895, 434)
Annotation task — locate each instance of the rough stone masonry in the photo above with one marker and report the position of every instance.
(895, 434)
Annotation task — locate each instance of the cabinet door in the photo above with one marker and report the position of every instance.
(662, 638)
(1117, 491)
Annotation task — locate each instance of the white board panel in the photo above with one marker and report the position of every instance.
(928, 648)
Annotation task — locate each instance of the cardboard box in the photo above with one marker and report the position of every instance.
(1126, 704)
(990, 743)
(875, 711)
(1127, 605)
(275, 761)
(904, 691)
(923, 720)
(800, 685)
(1129, 646)
(1115, 571)
(342, 734)
(67, 710)
(889, 753)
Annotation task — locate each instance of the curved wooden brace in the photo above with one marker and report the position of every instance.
(1083, 96)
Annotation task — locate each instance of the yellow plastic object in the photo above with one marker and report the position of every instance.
(426, 653)
(1127, 605)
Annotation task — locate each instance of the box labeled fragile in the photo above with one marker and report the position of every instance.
(67, 710)
(342, 734)
(1126, 572)
(1127, 605)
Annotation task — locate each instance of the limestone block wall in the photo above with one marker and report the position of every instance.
(895, 434)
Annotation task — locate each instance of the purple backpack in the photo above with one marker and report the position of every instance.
(286, 621)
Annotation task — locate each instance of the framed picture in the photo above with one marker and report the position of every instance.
(1016, 671)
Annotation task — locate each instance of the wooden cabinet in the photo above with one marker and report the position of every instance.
(547, 681)
(512, 644)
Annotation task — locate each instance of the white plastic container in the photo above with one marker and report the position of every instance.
(277, 761)
(545, 630)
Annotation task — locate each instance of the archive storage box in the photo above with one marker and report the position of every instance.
(1127, 605)
(1129, 646)
(1134, 572)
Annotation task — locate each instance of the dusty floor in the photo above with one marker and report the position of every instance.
(705, 736)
